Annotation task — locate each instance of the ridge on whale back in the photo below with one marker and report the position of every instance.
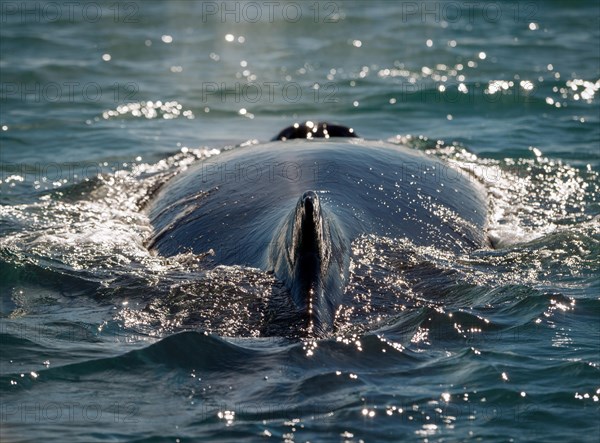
(301, 224)
(314, 130)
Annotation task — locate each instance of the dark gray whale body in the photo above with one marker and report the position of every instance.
(294, 205)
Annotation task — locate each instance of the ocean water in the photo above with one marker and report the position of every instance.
(101, 340)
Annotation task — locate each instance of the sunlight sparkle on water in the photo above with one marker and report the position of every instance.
(167, 110)
(368, 413)
(228, 416)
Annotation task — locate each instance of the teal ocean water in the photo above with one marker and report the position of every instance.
(101, 340)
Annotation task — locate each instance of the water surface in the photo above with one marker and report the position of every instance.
(103, 341)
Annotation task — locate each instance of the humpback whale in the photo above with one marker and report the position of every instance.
(294, 205)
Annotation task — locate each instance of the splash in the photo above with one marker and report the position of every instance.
(528, 197)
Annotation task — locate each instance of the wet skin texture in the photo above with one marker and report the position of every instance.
(294, 205)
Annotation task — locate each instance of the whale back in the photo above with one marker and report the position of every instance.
(234, 202)
(294, 207)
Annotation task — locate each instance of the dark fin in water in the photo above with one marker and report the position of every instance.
(310, 255)
(312, 288)
(308, 251)
(314, 130)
